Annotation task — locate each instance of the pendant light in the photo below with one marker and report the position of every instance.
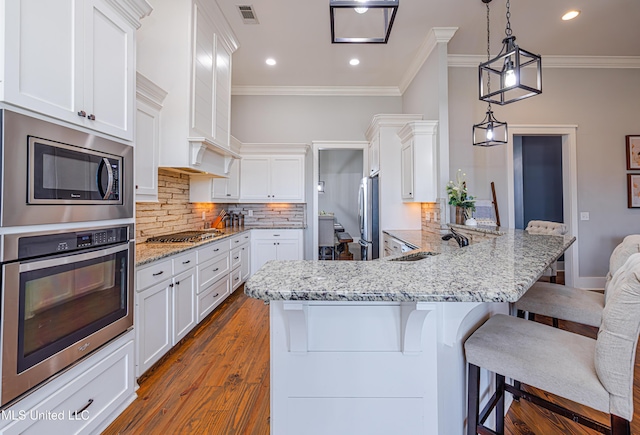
(490, 131)
(518, 71)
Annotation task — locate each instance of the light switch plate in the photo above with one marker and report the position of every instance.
(584, 215)
(250, 212)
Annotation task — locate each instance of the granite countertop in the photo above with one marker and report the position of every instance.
(496, 270)
(149, 252)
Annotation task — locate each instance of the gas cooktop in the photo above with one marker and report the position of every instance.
(186, 237)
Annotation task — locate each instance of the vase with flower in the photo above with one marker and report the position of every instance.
(459, 197)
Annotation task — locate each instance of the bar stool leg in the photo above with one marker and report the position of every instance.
(620, 426)
(500, 404)
(473, 398)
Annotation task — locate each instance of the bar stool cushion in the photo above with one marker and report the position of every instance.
(618, 337)
(551, 359)
(630, 245)
(562, 302)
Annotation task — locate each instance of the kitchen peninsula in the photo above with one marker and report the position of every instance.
(376, 347)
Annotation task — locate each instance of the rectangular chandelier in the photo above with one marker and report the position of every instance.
(514, 74)
(362, 21)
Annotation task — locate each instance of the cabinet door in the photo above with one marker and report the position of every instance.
(203, 86)
(222, 93)
(228, 188)
(153, 324)
(146, 152)
(254, 178)
(374, 155)
(287, 182)
(406, 170)
(43, 61)
(184, 304)
(262, 251)
(288, 249)
(109, 75)
(245, 265)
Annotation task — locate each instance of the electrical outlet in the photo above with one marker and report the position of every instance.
(250, 213)
(204, 216)
(584, 215)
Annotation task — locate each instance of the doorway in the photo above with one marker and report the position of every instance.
(567, 135)
(537, 170)
(339, 166)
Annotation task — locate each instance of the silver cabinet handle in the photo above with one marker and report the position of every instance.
(82, 113)
(92, 117)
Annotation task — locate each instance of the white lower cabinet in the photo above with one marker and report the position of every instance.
(212, 297)
(85, 399)
(275, 245)
(165, 310)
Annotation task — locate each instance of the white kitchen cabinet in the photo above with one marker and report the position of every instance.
(74, 61)
(272, 178)
(194, 66)
(374, 155)
(184, 304)
(98, 388)
(149, 99)
(204, 188)
(153, 324)
(275, 245)
(419, 161)
(165, 306)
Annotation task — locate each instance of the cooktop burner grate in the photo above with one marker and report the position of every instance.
(185, 237)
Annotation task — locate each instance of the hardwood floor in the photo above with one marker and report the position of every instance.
(217, 382)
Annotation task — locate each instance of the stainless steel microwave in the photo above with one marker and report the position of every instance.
(66, 174)
(53, 174)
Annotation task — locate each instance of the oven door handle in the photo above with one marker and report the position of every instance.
(105, 163)
(72, 258)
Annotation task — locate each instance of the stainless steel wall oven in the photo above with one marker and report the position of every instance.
(52, 174)
(64, 294)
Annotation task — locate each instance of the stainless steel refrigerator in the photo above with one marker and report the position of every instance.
(369, 218)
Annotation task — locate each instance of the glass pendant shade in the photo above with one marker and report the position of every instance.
(490, 131)
(362, 22)
(518, 72)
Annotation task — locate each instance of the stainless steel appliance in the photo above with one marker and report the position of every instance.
(53, 174)
(64, 294)
(369, 218)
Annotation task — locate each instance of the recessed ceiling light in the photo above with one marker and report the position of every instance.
(570, 15)
(354, 62)
(271, 61)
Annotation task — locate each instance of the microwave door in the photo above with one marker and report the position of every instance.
(104, 178)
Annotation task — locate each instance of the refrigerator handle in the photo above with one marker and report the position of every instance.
(361, 209)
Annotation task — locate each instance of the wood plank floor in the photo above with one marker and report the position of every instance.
(217, 382)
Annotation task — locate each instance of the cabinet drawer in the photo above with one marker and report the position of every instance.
(184, 262)
(236, 257)
(236, 278)
(212, 250)
(276, 234)
(103, 388)
(236, 240)
(212, 297)
(156, 272)
(210, 271)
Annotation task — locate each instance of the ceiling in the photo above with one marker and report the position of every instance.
(296, 33)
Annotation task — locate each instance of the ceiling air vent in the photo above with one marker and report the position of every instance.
(248, 14)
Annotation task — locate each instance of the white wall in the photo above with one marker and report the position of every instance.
(604, 104)
(302, 119)
(341, 171)
(422, 94)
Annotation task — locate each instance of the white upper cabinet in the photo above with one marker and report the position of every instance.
(419, 161)
(277, 175)
(149, 99)
(185, 47)
(73, 60)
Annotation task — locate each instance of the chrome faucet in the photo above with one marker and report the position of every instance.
(461, 239)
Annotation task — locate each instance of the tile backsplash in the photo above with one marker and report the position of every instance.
(173, 212)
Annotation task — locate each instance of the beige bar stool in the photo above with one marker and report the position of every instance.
(596, 373)
(574, 304)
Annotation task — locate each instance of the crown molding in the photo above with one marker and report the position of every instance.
(333, 91)
(435, 36)
(132, 10)
(555, 61)
(273, 148)
(149, 92)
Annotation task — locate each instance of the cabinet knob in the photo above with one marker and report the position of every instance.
(177, 282)
(92, 117)
(82, 113)
(136, 186)
(171, 285)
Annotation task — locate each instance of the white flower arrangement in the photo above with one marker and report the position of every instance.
(459, 196)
